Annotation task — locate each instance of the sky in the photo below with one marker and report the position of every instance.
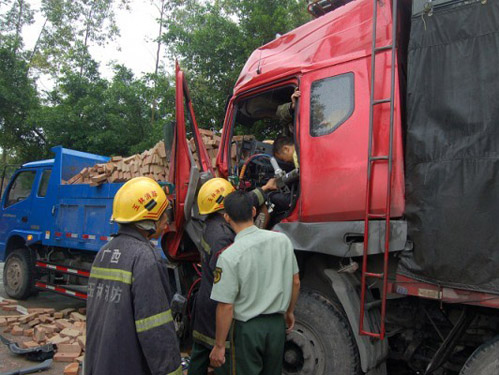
(135, 48)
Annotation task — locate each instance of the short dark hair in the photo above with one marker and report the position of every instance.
(280, 142)
(239, 206)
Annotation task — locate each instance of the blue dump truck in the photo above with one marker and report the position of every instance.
(50, 232)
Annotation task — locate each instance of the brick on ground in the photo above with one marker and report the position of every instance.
(39, 334)
(78, 317)
(29, 344)
(69, 332)
(82, 341)
(57, 340)
(9, 308)
(62, 323)
(3, 322)
(34, 322)
(67, 311)
(27, 318)
(17, 331)
(28, 332)
(72, 369)
(67, 352)
(50, 328)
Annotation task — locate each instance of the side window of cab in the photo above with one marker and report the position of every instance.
(21, 187)
(331, 103)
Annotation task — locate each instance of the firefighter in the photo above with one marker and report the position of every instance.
(129, 322)
(256, 283)
(217, 235)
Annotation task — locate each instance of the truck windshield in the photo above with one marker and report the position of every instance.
(20, 188)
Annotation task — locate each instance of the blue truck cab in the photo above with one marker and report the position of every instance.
(51, 231)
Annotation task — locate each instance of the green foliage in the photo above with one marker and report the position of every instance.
(90, 114)
(212, 41)
(18, 98)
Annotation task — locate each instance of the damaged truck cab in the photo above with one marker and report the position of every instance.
(357, 130)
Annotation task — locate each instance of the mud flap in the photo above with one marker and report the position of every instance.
(372, 352)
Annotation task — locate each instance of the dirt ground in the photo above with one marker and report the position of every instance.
(10, 362)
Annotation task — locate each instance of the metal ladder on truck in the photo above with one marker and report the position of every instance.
(372, 161)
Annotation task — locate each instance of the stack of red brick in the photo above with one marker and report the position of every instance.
(151, 163)
(65, 329)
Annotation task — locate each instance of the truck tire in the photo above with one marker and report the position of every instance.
(322, 341)
(484, 360)
(19, 274)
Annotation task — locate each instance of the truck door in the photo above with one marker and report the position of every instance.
(16, 204)
(187, 168)
(334, 142)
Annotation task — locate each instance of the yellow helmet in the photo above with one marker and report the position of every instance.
(211, 195)
(141, 198)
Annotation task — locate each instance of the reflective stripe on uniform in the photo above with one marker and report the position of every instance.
(207, 340)
(259, 196)
(176, 372)
(153, 321)
(205, 245)
(111, 274)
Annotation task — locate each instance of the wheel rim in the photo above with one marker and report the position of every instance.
(304, 352)
(14, 275)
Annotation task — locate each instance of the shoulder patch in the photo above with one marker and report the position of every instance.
(217, 275)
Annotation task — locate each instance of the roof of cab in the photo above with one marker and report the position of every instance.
(341, 35)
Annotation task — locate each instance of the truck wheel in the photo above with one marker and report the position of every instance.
(322, 341)
(18, 274)
(484, 360)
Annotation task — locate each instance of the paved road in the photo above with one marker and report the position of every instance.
(10, 362)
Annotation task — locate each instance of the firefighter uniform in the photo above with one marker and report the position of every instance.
(217, 236)
(255, 275)
(129, 322)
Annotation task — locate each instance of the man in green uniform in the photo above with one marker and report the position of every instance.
(217, 236)
(256, 283)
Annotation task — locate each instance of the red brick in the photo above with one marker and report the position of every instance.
(58, 315)
(34, 322)
(28, 332)
(63, 323)
(68, 311)
(82, 340)
(78, 317)
(57, 340)
(39, 334)
(26, 318)
(69, 349)
(29, 344)
(3, 322)
(50, 328)
(9, 308)
(46, 318)
(68, 332)
(65, 357)
(72, 369)
(17, 331)
(9, 301)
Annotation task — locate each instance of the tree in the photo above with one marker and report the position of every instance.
(18, 98)
(88, 113)
(213, 41)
